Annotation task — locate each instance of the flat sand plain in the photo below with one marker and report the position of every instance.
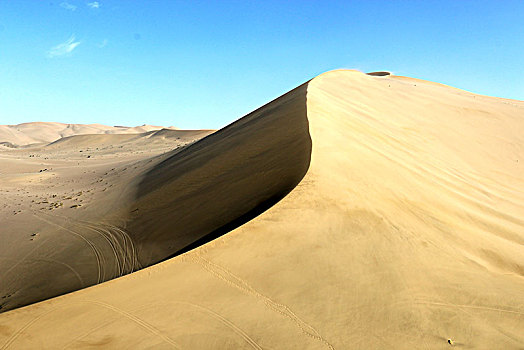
(354, 212)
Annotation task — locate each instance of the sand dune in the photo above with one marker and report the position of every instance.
(361, 212)
(45, 132)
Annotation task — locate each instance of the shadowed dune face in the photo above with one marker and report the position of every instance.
(223, 180)
(144, 210)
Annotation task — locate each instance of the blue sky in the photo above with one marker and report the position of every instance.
(203, 64)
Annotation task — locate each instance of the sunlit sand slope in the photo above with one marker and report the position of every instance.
(407, 230)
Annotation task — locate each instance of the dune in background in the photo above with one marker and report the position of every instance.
(361, 211)
(44, 132)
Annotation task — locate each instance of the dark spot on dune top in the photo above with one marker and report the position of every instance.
(379, 74)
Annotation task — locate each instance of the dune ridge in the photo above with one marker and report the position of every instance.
(397, 224)
(44, 132)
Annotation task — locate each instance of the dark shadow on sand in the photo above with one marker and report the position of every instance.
(222, 181)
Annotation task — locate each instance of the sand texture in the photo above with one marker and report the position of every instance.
(354, 212)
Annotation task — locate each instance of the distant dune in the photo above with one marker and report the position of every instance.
(42, 132)
(364, 211)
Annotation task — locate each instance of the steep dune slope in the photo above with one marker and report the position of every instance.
(223, 180)
(143, 211)
(405, 231)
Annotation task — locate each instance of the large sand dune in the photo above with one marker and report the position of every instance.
(361, 211)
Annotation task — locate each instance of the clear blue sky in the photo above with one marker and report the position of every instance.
(203, 64)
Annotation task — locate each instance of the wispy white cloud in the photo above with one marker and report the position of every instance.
(64, 48)
(94, 4)
(68, 6)
(103, 43)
